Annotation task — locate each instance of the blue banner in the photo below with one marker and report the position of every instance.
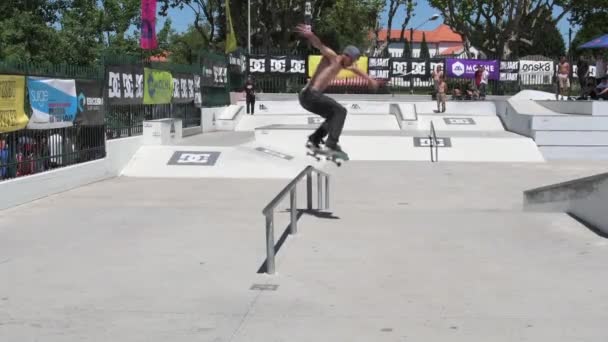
(53, 101)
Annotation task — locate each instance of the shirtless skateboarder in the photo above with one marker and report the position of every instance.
(312, 98)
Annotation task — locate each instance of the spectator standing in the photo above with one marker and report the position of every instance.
(600, 67)
(582, 72)
(483, 84)
(3, 159)
(563, 79)
(442, 89)
(250, 95)
(437, 74)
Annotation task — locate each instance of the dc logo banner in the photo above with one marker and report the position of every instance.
(278, 64)
(194, 158)
(125, 85)
(257, 64)
(399, 68)
(297, 66)
(419, 68)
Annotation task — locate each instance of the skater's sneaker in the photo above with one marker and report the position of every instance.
(312, 145)
(336, 150)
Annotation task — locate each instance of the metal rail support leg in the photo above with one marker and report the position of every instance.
(309, 191)
(319, 191)
(294, 211)
(270, 243)
(326, 192)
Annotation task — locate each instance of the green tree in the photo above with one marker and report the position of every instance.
(27, 31)
(81, 32)
(548, 40)
(492, 26)
(424, 48)
(592, 26)
(585, 10)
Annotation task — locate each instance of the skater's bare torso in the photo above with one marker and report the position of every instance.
(326, 71)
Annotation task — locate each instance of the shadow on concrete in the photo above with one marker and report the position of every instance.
(281, 241)
(589, 226)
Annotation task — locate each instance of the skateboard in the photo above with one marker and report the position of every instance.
(335, 157)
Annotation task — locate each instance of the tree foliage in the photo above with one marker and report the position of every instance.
(424, 48)
(592, 26)
(493, 26)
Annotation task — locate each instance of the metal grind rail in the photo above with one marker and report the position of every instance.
(433, 143)
(291, 188)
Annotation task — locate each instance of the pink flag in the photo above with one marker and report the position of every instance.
(148, 25)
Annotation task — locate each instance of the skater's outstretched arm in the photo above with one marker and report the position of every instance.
(316, 42)
(372, 82)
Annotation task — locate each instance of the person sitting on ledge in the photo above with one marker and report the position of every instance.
(601, 91)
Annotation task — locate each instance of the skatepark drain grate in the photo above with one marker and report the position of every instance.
(264, 287)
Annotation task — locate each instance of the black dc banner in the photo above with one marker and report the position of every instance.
(509, 71)
(125, 84)
(183, 88)
(379, 67)
(90, 103)
(257, 64)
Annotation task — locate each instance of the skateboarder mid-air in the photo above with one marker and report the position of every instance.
(312, 98)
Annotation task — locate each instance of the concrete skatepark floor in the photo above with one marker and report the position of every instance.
(413, 251)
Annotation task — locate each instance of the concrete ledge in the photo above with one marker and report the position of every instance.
(596, 108)
(585, 198)
(186, 132)
(26, 189)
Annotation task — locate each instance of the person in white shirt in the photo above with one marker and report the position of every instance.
(483, 86)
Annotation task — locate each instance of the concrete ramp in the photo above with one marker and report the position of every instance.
(459, 123)
(246, 161)
(585, 198)
(294, 107)
(559, 136)
(353, 122)
(458, 108)
(413, 146)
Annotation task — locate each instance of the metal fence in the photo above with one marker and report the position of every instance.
(28, 152)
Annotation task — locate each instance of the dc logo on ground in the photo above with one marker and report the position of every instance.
(458, 69)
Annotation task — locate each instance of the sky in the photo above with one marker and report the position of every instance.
(182, 18)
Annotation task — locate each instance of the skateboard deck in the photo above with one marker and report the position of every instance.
(335, 157)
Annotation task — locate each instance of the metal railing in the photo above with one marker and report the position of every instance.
(291, 188)
(433, 143)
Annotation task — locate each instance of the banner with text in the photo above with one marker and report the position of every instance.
(261, 64)
(314, 60)
(125, 84)
(12, 102)
(379, 68)
(158, 86)
(90, 103)
(413, 68)
(465, 68)
(509, 71)
(53, 101)
(536, 72)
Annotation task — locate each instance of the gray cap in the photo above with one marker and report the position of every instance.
(352, 51)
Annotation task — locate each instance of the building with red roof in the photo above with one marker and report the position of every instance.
(442, 42)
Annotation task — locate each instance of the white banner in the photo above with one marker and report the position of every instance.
(536, 67)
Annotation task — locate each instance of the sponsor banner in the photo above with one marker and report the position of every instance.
(413, 68)
(536, 67)
(158, 86)
(125, 84)
(220, 75)
(509, 71)
(592, 69)
(207, 73)
(12, 102)
(90, 103)
(297, 65)
(465, 68)
(183, 88)
(198, 94)
(237, 62)
(278, 64)
(53, 101)
(257, 64)
(314, 60)
(379, 68)
(286, 64)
